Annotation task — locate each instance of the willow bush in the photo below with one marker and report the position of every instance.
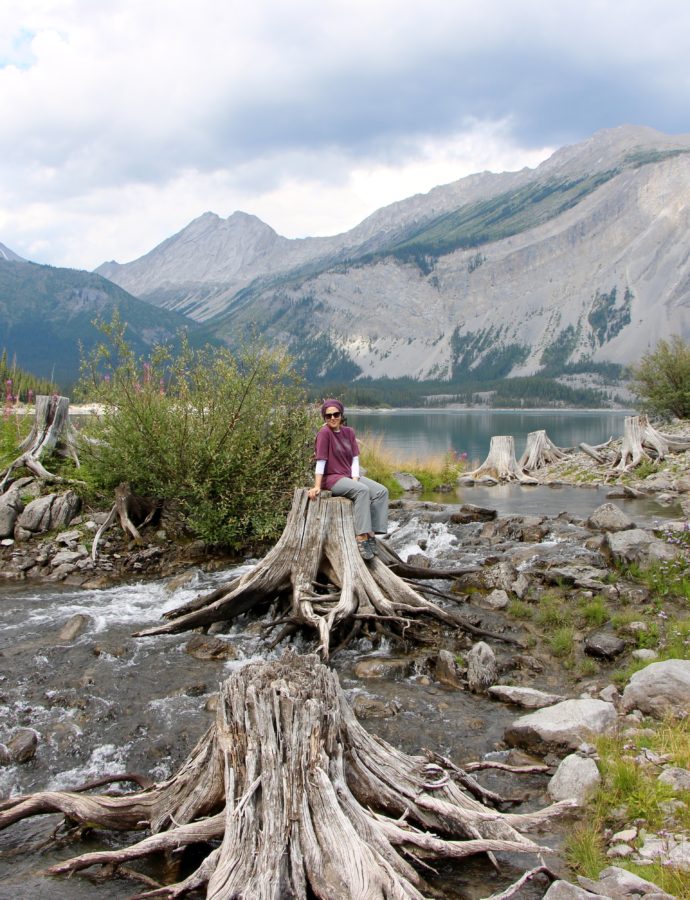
(223, 436)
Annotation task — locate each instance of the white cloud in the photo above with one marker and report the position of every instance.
(123, 120)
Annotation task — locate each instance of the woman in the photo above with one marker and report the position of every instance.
(337, 471)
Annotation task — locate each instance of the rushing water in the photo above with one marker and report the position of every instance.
(419, 433)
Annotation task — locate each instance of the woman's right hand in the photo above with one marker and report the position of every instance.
(314, 493)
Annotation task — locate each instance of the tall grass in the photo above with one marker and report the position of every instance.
(380, 463)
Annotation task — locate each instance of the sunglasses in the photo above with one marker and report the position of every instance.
(335, 415)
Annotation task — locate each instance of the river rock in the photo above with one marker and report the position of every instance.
(604, 644)
(74, 627)
(637, 545)
(446, 670)
(528, 698)
(5, 758)
(677, 778)
(563, 726)
(408, 482)
(204, 647)
(22, 745)
(468, 512)
(576, 778)
(618, 883)
(497, 599)
(609, 517)
(660, 688)
(482, 669)
(383, 667)
(371, 708)
(11, 506)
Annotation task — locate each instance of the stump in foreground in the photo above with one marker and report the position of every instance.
(317, 580)
(286, 795)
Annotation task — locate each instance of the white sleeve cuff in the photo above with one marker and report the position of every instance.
(320, 466)
(355, 466)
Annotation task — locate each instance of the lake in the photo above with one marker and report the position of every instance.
(413, 434)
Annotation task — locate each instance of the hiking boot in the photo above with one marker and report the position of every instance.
(365, 550)
(372, 545)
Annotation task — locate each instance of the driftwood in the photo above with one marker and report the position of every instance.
(132, 510)
(320, 582)
(595, 452)
(539, 452)
(500, 464)
(51, 431)
(287, 795)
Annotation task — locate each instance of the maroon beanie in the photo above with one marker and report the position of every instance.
(326, 403)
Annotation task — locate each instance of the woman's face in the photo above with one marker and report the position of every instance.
(332, 417)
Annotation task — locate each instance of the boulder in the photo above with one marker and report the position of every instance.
(446, 669)
(528, 698)
(408, 482)
(481, 667)
(11, 506)
(36, 516)
(497, 599)
(204, 647)
(636, 545)
(73, 627)
(618, 883)
(562, 727)
(609, 517)
(660, 688)
(677, 778)
(576, 778)
(468, 512)
(22, 745)
(383, 667)
(65, 508)
(564, 890)
(604, 644)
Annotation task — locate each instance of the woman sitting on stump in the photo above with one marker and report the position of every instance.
(337, 471)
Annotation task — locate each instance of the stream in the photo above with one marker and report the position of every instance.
(106, 703)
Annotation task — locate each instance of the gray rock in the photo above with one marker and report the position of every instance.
(660, 688)
(10, 507)
(636, 545)
(576, 778)
(604, 644)
(481, 667)
(5, 758)
(617, 883)
(22, 745)
(610, 694)
(446, 669)
(408, 482)
(497, 599)
(74, 627)
(677, 778)
(468, 512)
(564, 890)
(36, 516)
(371, 708)
(562, 727)
(669, 850)
(68, 537)
(63, 557)
(65, 508)
(609, 517)
(528, 698)
(645, 654)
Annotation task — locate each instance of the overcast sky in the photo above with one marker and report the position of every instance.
(123, 120)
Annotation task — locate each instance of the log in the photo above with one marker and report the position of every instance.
(539, 452)
(500, 464)
(594, 453)
(287, 795)
(51, 432)
(321, 584)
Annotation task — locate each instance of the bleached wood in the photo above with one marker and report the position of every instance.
(500, 464)
(539, 452)
(303, 800)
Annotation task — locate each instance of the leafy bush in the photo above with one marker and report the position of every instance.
(662, 379)
(225, 437)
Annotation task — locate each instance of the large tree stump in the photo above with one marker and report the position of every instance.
(51, 431)
(539, 452)
(500, 464)
(320, 582)
(287, 795)
(641, 441)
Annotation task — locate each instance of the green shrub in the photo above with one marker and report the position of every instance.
(225, 436)
(662, 379)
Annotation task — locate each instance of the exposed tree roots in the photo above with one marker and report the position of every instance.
(288, 796)
(51, 431)
(641, 441)
(539, 452)
(320, 583)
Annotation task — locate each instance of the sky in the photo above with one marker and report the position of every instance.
(123, 120)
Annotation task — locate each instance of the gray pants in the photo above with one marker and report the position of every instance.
(370, 500)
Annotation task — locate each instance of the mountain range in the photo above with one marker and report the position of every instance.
(581, 262)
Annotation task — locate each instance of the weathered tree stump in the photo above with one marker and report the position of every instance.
(539, 452)
(132, 510)
(288, 796)
(51, 431)
(320, 582)
(641, 441)
(500, 464)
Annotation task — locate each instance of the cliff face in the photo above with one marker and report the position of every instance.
(586, 257)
